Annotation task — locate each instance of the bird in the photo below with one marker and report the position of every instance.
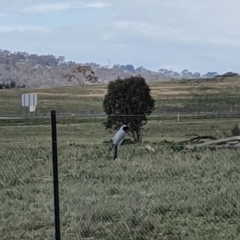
(116, 141)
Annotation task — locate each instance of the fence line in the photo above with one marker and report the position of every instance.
(103, 115)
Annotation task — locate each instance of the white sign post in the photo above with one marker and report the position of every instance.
(29, 100)
(32, 108)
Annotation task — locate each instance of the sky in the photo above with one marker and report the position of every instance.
(200, 36)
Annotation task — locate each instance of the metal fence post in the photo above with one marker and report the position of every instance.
(55, 175)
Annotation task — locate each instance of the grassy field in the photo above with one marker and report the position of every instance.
(170, 97)
(163, 194)
(143, 195)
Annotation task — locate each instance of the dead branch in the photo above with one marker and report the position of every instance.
(166, 141)
(231, 142)
(235, 140)
(197, 138)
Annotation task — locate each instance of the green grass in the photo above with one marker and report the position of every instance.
(143, 195)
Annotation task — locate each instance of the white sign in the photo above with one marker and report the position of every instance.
(29, 99)
(32, 108)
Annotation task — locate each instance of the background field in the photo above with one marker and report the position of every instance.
(163, 194)
(190, 96)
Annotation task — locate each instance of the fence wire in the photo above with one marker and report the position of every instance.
(149, 192)
(232, 113)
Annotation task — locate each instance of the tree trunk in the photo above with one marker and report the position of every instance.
(139, 136)
(136, 135)
(133, 135)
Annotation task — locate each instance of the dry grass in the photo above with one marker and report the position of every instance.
(187, 96)
(144, 195)
(157, 194)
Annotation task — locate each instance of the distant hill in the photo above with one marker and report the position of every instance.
(21, 69)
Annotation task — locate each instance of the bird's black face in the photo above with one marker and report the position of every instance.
(125, 128)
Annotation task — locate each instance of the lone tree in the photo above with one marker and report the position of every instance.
(128, 101)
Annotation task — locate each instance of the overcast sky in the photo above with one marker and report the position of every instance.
(198, 35)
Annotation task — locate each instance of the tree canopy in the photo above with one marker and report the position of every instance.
(128, 101)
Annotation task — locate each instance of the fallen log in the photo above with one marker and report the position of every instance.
(230, 141)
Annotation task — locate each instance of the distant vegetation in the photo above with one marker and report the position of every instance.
(186, 74)
(24, 70)
(20, 69)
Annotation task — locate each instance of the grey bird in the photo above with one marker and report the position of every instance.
(116, 141)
